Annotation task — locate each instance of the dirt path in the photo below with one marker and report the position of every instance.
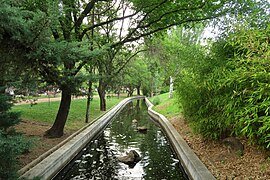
(40, 100)
(254, 164)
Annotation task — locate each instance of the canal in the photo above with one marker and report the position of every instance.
(99, 159)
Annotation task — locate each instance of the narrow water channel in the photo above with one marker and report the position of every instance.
(99, 159)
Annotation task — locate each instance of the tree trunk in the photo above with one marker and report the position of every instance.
(171, 87)
(118, 93)
(89, 94)
(2, 87)
(57, 130)
(138, 90)
(130, 93)
(102, 93)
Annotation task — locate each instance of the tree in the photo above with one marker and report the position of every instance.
(167, 50)
(59, 60)
(135, 75)
(89, 93)
(55, 36)
(143, 21)
(12, 144)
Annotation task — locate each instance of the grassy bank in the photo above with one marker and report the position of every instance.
(165, 105)
(46, 111)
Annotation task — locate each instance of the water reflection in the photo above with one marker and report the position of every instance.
(99, 159)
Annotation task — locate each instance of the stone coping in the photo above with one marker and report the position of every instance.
(52, 162)
(192, 165)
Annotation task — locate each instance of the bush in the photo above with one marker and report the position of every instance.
(156, 100)
(249, 79)
(164, 89)
(11, 147)
(194, 94)
(12, 144)
(228, 93)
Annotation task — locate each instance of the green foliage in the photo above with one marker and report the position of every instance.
(164, 89)
(196, 97)
(201, 91)
(58, 39)
(166, 54)
(12, 23)
(146, 90)
(21, 28)
(237, 99)
(228, 92)
(134, 75)
(179, 11)
(8, 153)
(11, 143)
(248, 78)
(156, 100)
(7, 119)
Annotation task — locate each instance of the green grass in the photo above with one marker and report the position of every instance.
(46, 112)
(168, 107)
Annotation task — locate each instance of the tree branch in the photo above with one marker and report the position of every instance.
(131, 39)
(87, 9)
(106, 22)
(140, 26)
(127, 61)
(117, 19)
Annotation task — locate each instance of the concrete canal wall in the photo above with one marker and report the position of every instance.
(49, 164)
(48, 167)
(192, 165)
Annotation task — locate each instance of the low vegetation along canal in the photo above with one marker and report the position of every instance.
(100, 159)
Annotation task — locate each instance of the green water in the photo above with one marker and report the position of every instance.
(99, 159)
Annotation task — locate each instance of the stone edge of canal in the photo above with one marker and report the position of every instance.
(51, 165)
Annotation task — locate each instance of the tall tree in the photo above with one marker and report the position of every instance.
(13, 32)
(135, 75)
(60, 59)
(168, 49)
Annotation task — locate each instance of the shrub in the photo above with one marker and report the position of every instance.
(250, 79)
(229, 92)
(195, 95)
(164, 89)
(12, 144)
(156, 100)
(11, 147)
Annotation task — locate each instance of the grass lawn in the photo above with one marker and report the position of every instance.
(166, 106)
(46, 112)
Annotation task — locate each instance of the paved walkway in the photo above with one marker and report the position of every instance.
(41, 100)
